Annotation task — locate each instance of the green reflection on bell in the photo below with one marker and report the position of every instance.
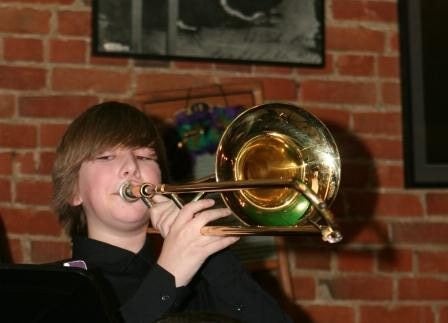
(288, 216)
(270, 155)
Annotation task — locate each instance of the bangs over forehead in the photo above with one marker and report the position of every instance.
(109, 125)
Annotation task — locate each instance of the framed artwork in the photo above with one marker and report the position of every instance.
(263, 31)
(424, 68)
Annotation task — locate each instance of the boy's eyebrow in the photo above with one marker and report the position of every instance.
(146, 150)
(151, 149)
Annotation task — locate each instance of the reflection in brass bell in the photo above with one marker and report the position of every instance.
(278, 141)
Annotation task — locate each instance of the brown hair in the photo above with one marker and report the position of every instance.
(101, 127)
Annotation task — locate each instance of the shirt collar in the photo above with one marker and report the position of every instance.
(109, 257)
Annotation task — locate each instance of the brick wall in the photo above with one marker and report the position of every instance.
(392, 265)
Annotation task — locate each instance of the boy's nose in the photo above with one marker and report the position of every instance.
(130, 166)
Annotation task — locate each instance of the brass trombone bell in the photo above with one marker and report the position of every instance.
(277, 168)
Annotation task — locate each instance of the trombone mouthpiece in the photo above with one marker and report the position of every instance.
(127, 193)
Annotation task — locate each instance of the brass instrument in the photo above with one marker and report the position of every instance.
(277, 168)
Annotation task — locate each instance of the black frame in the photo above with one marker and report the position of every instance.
(291, 33)
(424, 67)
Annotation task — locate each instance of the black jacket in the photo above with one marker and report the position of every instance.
(142, 291)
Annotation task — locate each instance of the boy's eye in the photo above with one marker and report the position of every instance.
(105, 157)
(145, 154)
(145, 158)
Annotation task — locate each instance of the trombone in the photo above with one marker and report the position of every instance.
(277, 168)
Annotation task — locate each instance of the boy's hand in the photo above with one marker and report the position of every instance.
(185, 249)
(163, 213)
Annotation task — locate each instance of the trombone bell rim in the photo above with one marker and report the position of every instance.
(291, 136)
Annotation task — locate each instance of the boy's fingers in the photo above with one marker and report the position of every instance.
(159, 198)
(191, 209)
(208, 216)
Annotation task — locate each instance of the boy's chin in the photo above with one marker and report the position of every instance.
(134, 224)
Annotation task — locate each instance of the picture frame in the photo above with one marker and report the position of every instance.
(424, 70)
(280, 32)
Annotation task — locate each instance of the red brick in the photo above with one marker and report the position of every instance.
(390, 176)
(364, 231)
(7, 105)
(282, 70)
(5, 190)
(229, 67)
(361, 175)
(433, 261)
(279, 89)
(394, 43)
(391, 93)
(49, 251)
(17, 135)
(34, 192)
(422, 289)
(443, 314)
(326, 69)
(46, 163)
(330, 313)
(382, 148)
(89, 79)
(67, 106)
(387, 123)
(15, 248)
(360, 287)
(385, 204)
(395, 260)
(355, 260)
(437, 203)
(6, 163)
(26, 163)
(24, 20)
(338, 92)
(29, 221)
(421, 232)
(153, 82)
(378, 11)
(193, 65)
(310, 258)
(389, 66)
(355, 65)
(22, 78)
(304, 287)
(393, 314)
(23, 49)
(109, 61)
(51, 134)
(356, 39)
(352, 149)
(273, 88)
(68, 51)
(74, 23)
(358, 205)
(334, 119)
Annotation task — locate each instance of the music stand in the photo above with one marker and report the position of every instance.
(38, 293)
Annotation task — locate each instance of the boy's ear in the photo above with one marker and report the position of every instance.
(76, 199)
